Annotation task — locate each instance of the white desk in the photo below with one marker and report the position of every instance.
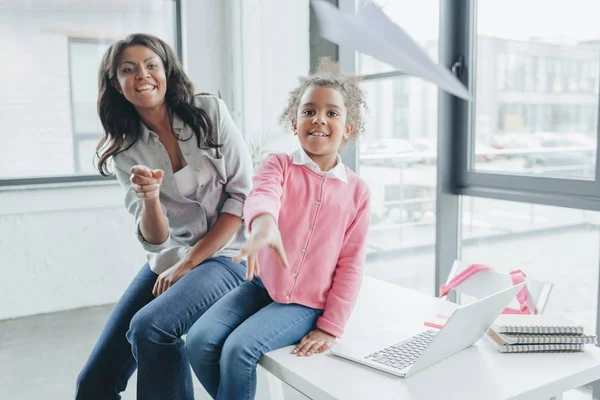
(477, 373)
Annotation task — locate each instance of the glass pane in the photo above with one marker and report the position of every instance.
(398, 159)
(86, 148)
(85, 57)
(551, 244)
(49, 88)
(536, 86)
(418, 18)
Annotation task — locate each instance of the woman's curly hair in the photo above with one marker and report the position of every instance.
(328, 74)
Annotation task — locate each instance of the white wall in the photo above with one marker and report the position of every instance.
(64, 248)
(275, 52)
(206, 45)
(73, 246)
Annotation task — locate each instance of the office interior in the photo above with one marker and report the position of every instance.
(509, 180)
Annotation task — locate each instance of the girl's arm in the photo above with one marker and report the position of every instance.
(348, 273)
(261, 211)
(268, 188)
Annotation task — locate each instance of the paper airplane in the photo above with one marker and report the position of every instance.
(371, 32)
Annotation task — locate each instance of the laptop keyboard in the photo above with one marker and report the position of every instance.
(401, 355)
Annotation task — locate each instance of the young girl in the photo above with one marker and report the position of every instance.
(308, 216)
(186, 172)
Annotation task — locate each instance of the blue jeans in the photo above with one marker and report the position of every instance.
(225, 344)
(145, 332)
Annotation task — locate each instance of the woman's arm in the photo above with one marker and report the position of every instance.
(221, 232)
(238, 163)
(154, 226)
(151, 224)
(238, 166)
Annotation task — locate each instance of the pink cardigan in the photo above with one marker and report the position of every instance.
(323, 224)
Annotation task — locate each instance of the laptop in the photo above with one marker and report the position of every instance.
(406, 357)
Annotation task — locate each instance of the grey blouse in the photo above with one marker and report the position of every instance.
(224, 181)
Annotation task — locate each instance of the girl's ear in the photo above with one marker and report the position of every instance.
(294, 126)
(349, 130)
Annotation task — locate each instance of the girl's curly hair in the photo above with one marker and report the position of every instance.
(328, 74)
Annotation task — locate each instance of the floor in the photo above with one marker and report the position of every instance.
(40, 356)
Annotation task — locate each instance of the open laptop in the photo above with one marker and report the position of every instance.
(404, 358)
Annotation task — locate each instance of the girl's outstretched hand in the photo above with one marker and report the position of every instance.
(316, 341)
(264, 234)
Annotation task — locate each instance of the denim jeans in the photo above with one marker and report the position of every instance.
(145, 332)
(225, 344)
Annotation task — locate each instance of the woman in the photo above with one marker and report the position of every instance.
(186, 171)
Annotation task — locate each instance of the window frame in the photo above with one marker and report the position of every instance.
(86, 179)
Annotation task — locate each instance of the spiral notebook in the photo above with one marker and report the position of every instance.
(535, 325)
(547, 339)
(505, 347)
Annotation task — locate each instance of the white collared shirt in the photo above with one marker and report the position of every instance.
(339, 171)
(223, 180)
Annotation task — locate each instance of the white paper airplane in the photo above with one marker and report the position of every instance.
(371, 32)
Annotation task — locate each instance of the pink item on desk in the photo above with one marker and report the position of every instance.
(517, 276)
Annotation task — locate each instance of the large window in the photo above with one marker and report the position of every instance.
(527, 146)
(535, 84)
(509, 180)
(51, 52)
(397, 156)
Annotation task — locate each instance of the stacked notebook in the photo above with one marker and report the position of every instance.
(537, 333)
